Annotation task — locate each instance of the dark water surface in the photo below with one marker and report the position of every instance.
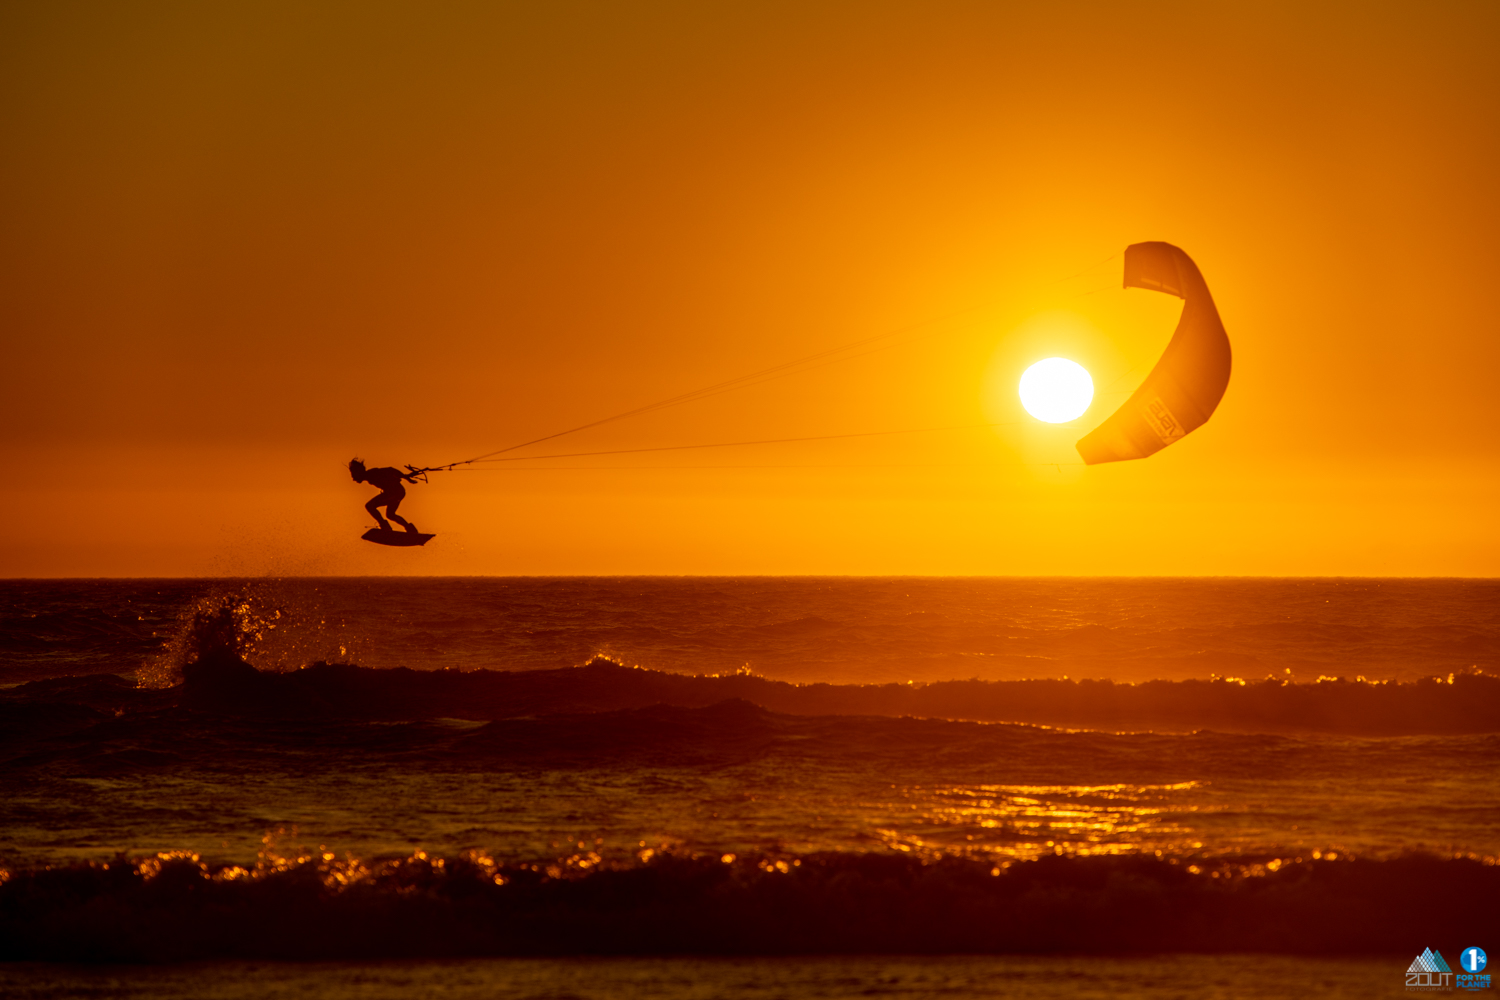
(1157, 977)
(182, 776)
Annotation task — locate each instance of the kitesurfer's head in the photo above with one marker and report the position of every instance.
(357, 470)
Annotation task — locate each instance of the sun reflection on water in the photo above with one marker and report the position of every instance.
(1024, 822)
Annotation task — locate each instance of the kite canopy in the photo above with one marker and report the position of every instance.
(1187, 383)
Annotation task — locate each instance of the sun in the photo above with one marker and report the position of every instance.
(1056, 390)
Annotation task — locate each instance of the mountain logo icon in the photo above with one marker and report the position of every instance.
(1429, 973)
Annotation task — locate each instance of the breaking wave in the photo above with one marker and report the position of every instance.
(208, 671)
(217, 677)
(175, 907)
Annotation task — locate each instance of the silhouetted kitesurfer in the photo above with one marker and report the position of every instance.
(392, 492)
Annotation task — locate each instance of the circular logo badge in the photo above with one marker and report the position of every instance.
(1473, 959)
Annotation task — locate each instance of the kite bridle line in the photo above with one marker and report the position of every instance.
(793, 367)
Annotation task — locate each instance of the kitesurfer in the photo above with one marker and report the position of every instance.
(391, 492)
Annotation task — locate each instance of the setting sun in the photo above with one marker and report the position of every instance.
(1056, 390)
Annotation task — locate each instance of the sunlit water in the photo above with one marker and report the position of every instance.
(849, 630)
(134, 772)
(933, 789)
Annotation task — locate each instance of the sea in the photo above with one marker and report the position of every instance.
(747, 787)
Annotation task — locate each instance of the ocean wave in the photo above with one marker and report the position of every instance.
(216, 678)
(798, 629)
(1462, 703)
(174, 907)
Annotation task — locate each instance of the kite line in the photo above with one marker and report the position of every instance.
(796, 366)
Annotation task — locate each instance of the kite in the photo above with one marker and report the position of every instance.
(1188, 381)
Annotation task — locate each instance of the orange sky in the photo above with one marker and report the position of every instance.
(244, 242)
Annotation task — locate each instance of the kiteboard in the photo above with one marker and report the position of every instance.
(390, 536)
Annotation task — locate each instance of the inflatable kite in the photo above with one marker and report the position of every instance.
(1187, 383)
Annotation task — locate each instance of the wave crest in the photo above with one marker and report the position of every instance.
(173, 907)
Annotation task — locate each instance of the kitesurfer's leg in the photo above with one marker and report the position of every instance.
(390, 512)
(374, 508)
